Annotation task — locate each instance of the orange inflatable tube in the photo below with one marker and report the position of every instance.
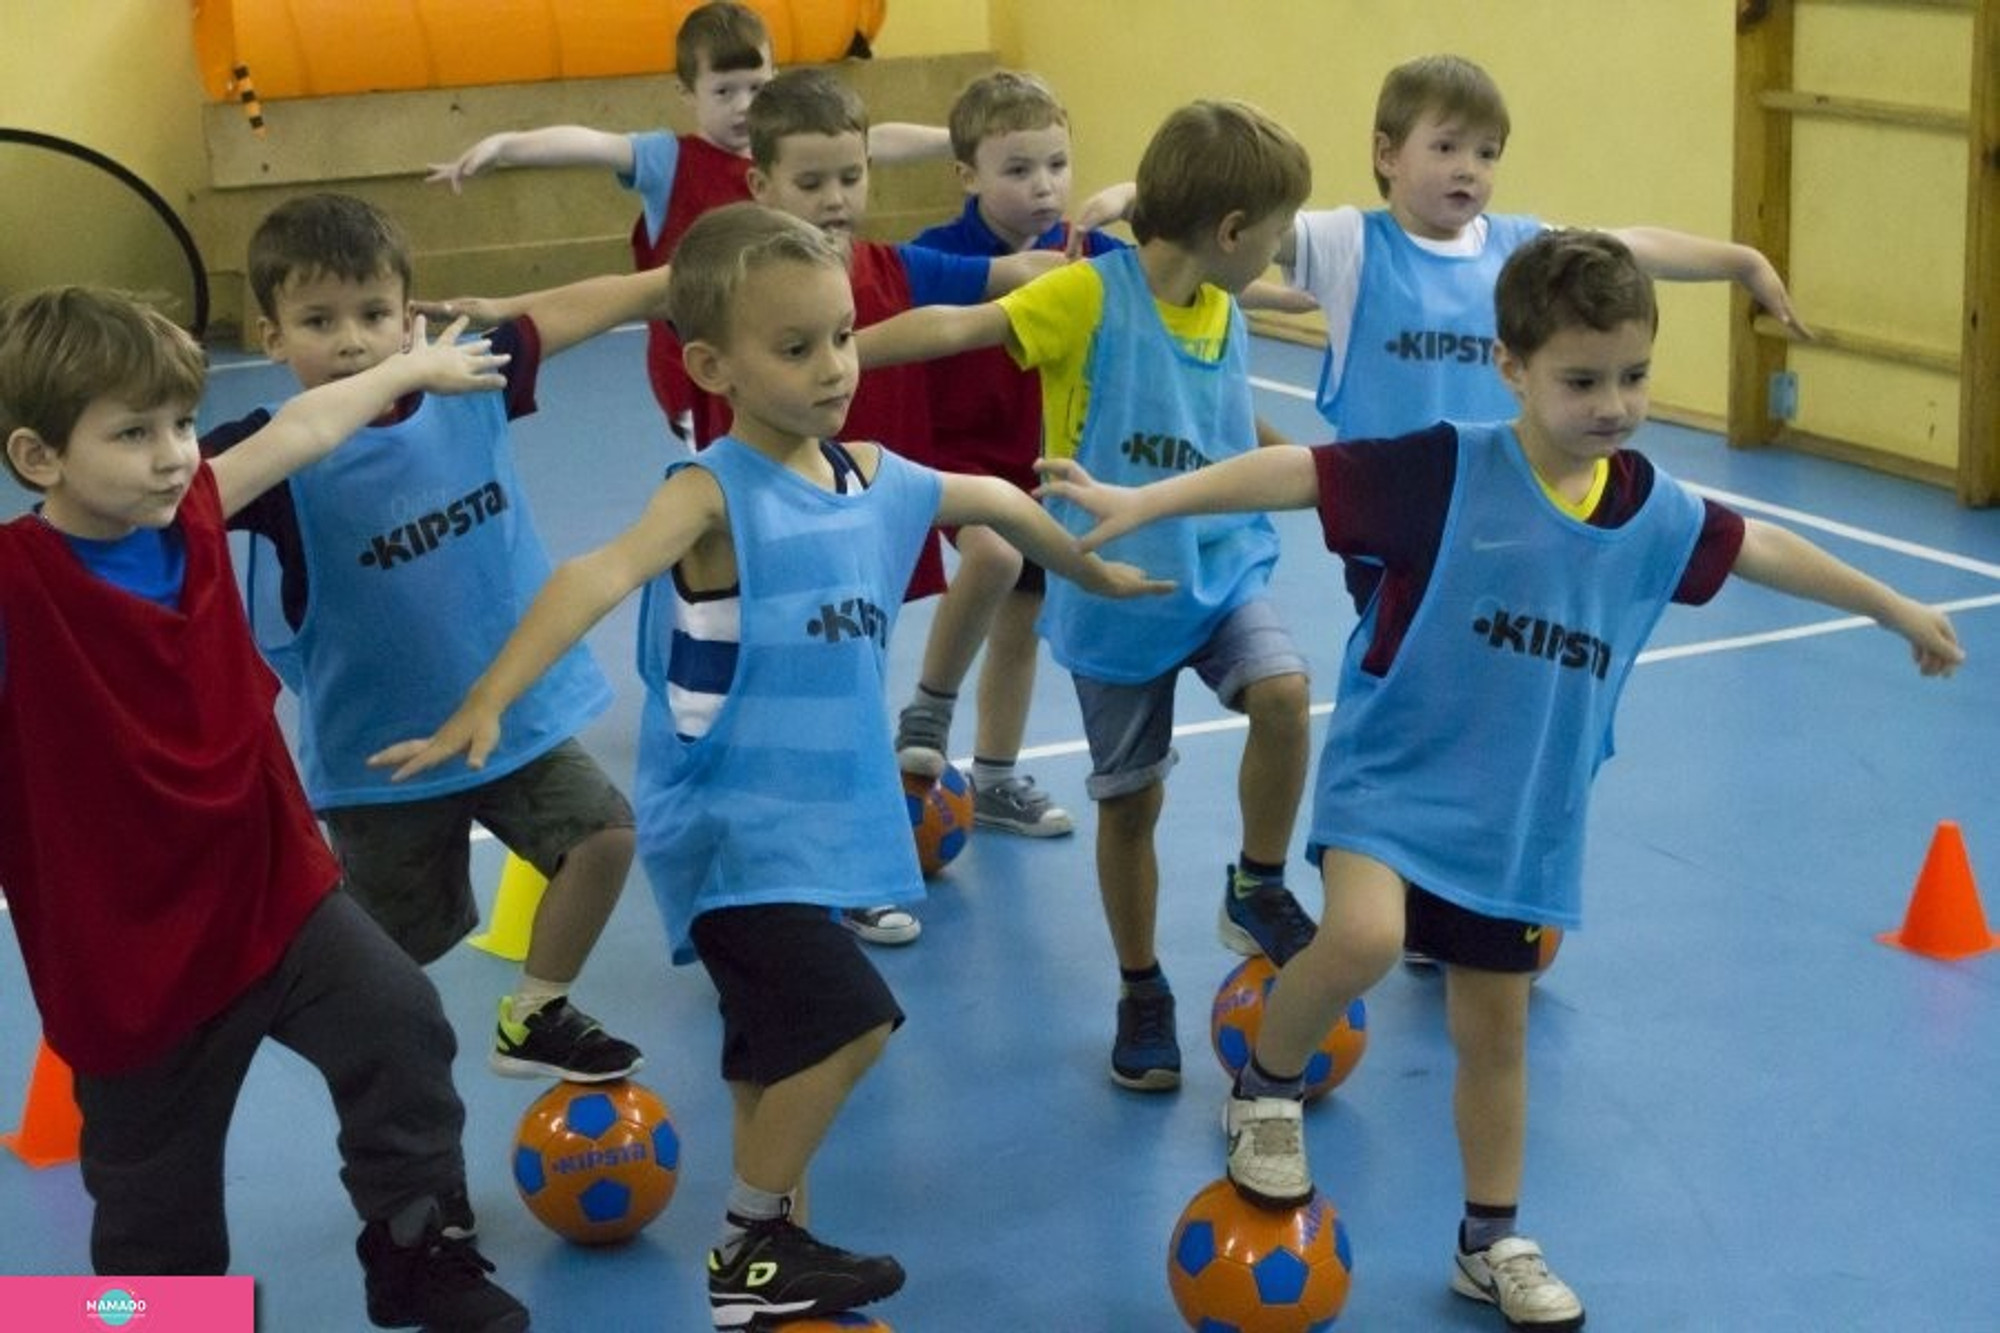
(324, 48)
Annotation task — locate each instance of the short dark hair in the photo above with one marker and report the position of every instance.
(722, 248)
(1001, 102)
(1449, 86)
(332, 234)
(62, 348)
(1567, 279)
(1211, 159)
(727, 35)
(802, 101)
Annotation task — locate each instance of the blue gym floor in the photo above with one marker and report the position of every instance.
(1747, 1113)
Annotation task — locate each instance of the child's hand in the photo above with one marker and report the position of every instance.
(480, 312)
(448, 365)
(1109, 205)
(484, 154)
(1118, 508)
(472, 735)
(1933, 643)
(1114, 578)
(1767, 289)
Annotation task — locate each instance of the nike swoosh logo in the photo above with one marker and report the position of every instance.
(1488, 544)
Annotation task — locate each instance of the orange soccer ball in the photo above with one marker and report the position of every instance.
(940, 816)
(595, 1162)
(1234, 1267)
(1238, 1014)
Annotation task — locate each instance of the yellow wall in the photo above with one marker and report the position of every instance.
(1621, 115)
(1621, 108)
(117, 76)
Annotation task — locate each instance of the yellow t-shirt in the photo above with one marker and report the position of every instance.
(1055, 318)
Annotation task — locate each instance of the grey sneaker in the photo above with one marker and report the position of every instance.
(923, 729)
(882, 925)
(1267, 1150)
(1019, 806)
(1512, 1274)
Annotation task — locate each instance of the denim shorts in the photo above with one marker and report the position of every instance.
(1130, 728)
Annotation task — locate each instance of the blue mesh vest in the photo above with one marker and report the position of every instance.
(421, 557)
(1156, 410)
(1467, 768)
(793, 795)
(1421, 346)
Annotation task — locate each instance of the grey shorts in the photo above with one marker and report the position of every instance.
(410, 862)
(1130, 728)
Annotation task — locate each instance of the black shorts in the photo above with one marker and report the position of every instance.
(1464, 938)
(793, 986)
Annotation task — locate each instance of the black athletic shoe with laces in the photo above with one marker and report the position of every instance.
(1259, 916)
(559, 1040)
(436, 1284)
(779, 1273)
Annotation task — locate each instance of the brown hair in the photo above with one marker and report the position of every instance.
(62, 348)
(725, 35)
(802, 101)
(1000, 103)
(335, 235)
(1569, 279)
(723, 247)
(1211, 159)
(1452, 87)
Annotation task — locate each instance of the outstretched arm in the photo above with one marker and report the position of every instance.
(567, 315)
(1779, 558)
(314, 423)
(1008, 510)
(1680, 257)
(580, 593)
(1279, 476)
(896, 141)
(554, 146)
(928, 332)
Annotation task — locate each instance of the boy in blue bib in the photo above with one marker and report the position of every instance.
(384, 577)
(1524, 566)
(772, 565)
(1143, 359)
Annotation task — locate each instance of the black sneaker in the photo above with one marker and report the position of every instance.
(1262, 917)
(436, 1284)
(455, 1215)
(1146, 1057)
(560, 1041)
(779, 1272)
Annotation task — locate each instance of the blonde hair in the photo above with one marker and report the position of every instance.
(722, 249)
(1000, 103)
(1211, 159)
(1451, 86)
(63, 348)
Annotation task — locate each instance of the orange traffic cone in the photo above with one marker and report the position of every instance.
(1945, 919)
(51, 1129)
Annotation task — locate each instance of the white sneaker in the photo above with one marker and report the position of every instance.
(1267, 1150)
(882, 925)
(1512, 1274)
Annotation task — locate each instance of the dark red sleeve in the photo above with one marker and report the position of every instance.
(1715, 550)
